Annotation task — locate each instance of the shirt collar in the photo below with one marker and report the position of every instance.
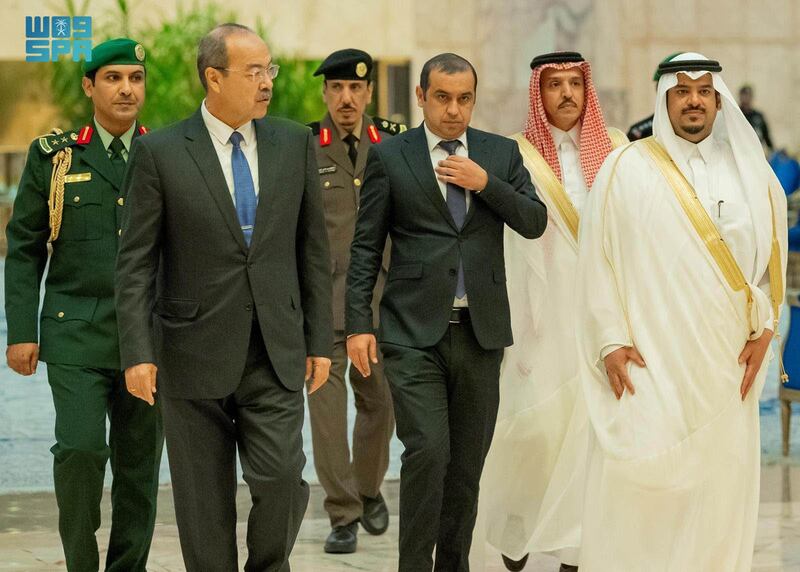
(107, 138)
(433, 139)
(559, 135)
(356, 131)
(707, 148)
(221, 131)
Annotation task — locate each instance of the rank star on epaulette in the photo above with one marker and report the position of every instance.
(53, 142)
(388, 126)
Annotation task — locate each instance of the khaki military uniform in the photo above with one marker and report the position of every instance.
(345, 478)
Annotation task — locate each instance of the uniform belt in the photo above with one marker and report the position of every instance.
(459, 315)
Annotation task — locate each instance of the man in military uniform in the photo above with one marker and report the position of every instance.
(69, 197)
(754, 117)
(343, 139)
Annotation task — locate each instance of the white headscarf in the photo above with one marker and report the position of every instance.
(754, 171)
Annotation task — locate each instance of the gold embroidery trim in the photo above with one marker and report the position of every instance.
(618, 138)
(710, 236)
(62, 161)
(550, 184)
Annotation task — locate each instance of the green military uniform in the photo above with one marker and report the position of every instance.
(352, 487)
(77, 336)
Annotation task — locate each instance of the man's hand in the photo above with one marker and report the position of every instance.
(317, 370)
(616, 367)
(463, 172)
(362, 349)
(23, 358)
(140, 380)
(752, 355)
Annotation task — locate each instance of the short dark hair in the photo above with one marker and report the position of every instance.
(212, 53)
(746, 88)
(448, 63)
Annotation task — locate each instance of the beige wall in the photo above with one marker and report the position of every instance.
(757, 41)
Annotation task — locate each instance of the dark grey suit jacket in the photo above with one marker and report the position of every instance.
(187, 286)
(401, 198)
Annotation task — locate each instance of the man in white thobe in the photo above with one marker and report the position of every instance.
(533, 480)
(682, 254)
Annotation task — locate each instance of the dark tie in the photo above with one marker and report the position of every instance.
(244, 191)
(117, 160)
(457, 205)
(352, 152)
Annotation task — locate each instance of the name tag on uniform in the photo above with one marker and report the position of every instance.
(77, 177)
(327, 170)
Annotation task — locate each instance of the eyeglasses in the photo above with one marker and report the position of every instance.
(258, 76)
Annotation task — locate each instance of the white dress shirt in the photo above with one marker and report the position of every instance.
(107, 138)
(220, 137)
(569, 158)
(438, 154)
(715, 178)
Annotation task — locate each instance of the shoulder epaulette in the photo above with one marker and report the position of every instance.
(388, 126)
(314, 127)
(57, 140)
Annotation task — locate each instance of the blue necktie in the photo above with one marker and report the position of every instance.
(457, 205)
(244, 192)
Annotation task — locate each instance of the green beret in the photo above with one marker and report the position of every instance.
(121, 51)
(346, 64)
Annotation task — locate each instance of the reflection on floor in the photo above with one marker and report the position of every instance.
(29, 540)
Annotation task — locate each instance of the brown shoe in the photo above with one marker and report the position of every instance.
(515, 565)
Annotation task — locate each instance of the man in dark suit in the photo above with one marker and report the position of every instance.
(224, 289)
(342, 140)
(444, 312)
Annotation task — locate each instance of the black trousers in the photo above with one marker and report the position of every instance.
(445, 401)
(264, 421)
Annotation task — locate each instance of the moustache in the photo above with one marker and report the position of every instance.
(693, 108)
(265, 95)
(567, 103)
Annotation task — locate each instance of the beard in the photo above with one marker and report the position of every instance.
(692, 129)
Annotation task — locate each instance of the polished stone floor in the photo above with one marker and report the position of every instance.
(29, 540)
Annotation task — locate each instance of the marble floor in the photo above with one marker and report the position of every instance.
(29, 540)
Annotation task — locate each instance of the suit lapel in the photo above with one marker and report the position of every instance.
(337, 150)
(96, 157)
(269, 160)
(418, 158)
(364, 143)
(481, 154)
(200, 147)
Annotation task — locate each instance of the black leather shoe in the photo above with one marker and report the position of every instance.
(375, 518)
(568, 568)
(515, 565)
(342, 539)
